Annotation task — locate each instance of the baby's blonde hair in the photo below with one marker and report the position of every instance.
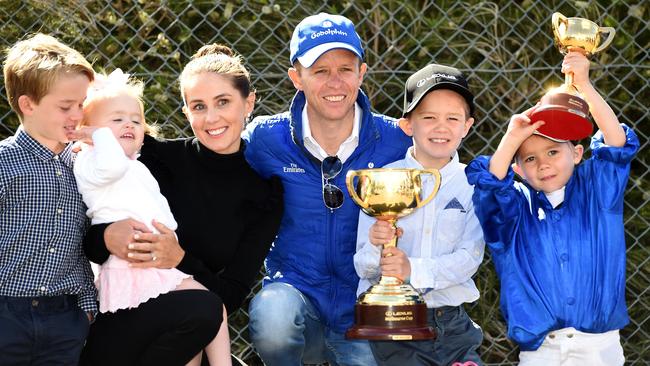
(33, 65)
(111, 86)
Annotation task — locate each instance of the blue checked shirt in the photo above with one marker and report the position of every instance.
(42, 224)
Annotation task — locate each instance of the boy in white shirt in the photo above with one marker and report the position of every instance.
(441, 244)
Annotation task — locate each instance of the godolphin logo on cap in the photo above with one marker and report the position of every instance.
(436, 75)
(321, 33)
(329, 32)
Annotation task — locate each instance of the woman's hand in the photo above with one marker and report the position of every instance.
(156, 250)
(120, 234)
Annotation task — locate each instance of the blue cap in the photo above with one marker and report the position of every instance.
(320, 33)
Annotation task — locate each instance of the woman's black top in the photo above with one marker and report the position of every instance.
(227, 215)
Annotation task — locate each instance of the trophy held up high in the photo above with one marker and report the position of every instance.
(563, 109)
(391, 309)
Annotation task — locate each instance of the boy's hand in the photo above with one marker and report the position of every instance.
(520, 128)
(382, 232)
(83, 134)
(578, 64)
(395, 263)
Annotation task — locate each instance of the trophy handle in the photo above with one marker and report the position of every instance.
(349, 179)
(436, 174)
(610, 37)
(556, 19)
(568, 79)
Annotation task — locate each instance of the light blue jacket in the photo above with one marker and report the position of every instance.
(315, 246)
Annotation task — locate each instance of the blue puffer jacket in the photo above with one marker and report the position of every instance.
(314, 248)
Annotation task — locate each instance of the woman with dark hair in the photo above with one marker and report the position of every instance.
(227, 218)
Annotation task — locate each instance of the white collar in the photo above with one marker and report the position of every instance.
(556, 197)
(446, 172)
(346, 148)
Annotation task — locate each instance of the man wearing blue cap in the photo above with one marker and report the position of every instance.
(307, 302)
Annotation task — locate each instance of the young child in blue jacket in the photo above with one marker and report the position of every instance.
(557, 239)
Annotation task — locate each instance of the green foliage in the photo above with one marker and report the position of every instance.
(505, 47)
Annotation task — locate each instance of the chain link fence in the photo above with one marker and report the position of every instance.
(506, 48)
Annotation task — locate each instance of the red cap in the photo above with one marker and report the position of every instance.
(566, 117)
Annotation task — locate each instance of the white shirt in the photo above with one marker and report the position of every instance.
(347, 147)
(115, 187)
(556, 197)
(443, 240)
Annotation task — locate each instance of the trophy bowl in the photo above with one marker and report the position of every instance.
(572, 34)
(563, 109)
(391, 309)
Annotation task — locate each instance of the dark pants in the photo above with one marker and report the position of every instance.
(458, 341)
(41, 330)
(168, 330)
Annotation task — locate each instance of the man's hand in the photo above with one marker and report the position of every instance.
(120, 234)
(395, 263)
(156, 250)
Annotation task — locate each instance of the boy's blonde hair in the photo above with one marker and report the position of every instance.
(33, 65)
(220, 60)
(113, 85)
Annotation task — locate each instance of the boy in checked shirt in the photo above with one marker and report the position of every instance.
(47, 295)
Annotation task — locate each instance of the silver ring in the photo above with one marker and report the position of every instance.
(153, 257)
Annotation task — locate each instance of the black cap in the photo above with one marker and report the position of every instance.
(434, 77)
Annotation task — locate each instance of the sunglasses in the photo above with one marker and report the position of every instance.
(332, 195)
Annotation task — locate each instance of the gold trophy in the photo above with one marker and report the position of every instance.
(563, 109)
(391, 309)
